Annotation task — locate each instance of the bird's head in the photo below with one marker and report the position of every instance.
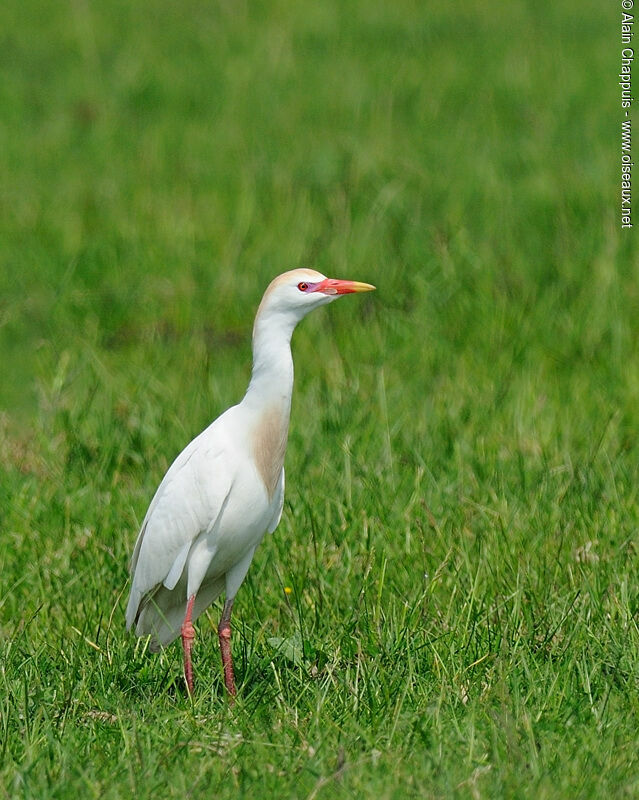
(293, 294)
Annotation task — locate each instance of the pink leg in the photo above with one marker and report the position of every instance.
(188, 634)
(224, 634)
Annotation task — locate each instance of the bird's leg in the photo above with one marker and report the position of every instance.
(188, 634)
(224, 634)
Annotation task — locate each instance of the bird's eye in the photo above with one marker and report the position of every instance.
(302, 286)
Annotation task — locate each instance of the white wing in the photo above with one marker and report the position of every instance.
(186, 504)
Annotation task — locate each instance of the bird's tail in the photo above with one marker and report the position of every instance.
(161, 613)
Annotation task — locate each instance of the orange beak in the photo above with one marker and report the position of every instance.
(334, 286)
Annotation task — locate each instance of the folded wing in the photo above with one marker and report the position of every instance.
(187, 503)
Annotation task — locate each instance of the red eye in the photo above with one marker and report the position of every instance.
(302, 286)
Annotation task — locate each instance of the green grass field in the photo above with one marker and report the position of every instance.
(461, 531)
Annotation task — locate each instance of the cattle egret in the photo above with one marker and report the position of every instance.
(226, 488)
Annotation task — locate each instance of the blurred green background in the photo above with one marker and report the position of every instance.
(161, 162)
(463, 462)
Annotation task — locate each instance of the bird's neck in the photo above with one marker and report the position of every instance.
(272, 376)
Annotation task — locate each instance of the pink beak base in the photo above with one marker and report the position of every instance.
(335, 286)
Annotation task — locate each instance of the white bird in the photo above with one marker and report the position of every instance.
(226, 488)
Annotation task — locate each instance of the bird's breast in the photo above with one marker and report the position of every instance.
(269, 439)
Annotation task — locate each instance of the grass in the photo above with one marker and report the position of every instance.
(460, 531)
